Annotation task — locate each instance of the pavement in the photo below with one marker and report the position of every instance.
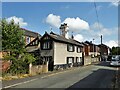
(14, 82)
(117, 78)
(92, 76)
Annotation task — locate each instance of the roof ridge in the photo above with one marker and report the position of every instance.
(29, 30)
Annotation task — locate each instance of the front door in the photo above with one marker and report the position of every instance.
(50, 63)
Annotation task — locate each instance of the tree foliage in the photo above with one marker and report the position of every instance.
(115, 51)
(13, 41)
(12, 37)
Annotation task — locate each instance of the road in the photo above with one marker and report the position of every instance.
(91, 76)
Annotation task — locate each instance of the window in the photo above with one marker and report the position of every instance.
(46, 45)
(80, 59)
(36, 42)
(45, 38)
(27, 40)
(70, 60)
(79, 49)
(70, 48)
(77, 59)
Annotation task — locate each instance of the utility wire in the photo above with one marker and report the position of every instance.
(97, 16)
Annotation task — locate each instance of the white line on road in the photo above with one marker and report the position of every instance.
(41, 77)
(20, 83)
(58, 73)
(36, 79)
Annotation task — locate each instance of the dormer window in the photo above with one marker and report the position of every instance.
(46, 45)
(70, 48)
(46, 38)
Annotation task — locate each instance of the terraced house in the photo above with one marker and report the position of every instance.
(92, 49)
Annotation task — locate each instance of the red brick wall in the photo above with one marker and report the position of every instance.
(5, 65)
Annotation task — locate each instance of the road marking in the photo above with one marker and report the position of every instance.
(117, 68)
(58, 73)
(20, 83)
(41, 77)
(35, 79)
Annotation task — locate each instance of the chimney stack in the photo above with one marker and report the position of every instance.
(64, 30)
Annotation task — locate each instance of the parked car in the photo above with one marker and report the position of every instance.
(115, 61)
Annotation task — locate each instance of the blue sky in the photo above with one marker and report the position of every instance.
(41, 16)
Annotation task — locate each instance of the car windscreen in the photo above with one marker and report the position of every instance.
(115, 58)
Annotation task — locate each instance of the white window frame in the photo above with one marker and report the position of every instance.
(46, 45)
(27, 40)
(70, 48)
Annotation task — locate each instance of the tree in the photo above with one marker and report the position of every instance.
(13, 41)
(115, 50)
(12, 37)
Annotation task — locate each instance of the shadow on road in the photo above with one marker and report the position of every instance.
(102, 78)
(106, 64)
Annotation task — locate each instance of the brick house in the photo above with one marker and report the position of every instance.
(91, 49)
(105, 50)
(29, 37)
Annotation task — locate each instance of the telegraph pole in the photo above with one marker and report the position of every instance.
(101, 39)
(93, 48)
(101, 48)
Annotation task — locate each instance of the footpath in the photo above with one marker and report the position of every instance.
(14, 82)
(117, 80)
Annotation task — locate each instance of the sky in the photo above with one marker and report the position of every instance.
(80, 17)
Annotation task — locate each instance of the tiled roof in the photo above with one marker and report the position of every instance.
(63, 39)
(30, 33)
(90, 43)
(103, 45)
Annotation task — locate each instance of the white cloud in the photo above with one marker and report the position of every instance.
(79, 37)
(112, 43)
(76, 24)
(17, 20)
(115, 3)
(65, 7)
(53, 20)
(96, 26)
(98, 29)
